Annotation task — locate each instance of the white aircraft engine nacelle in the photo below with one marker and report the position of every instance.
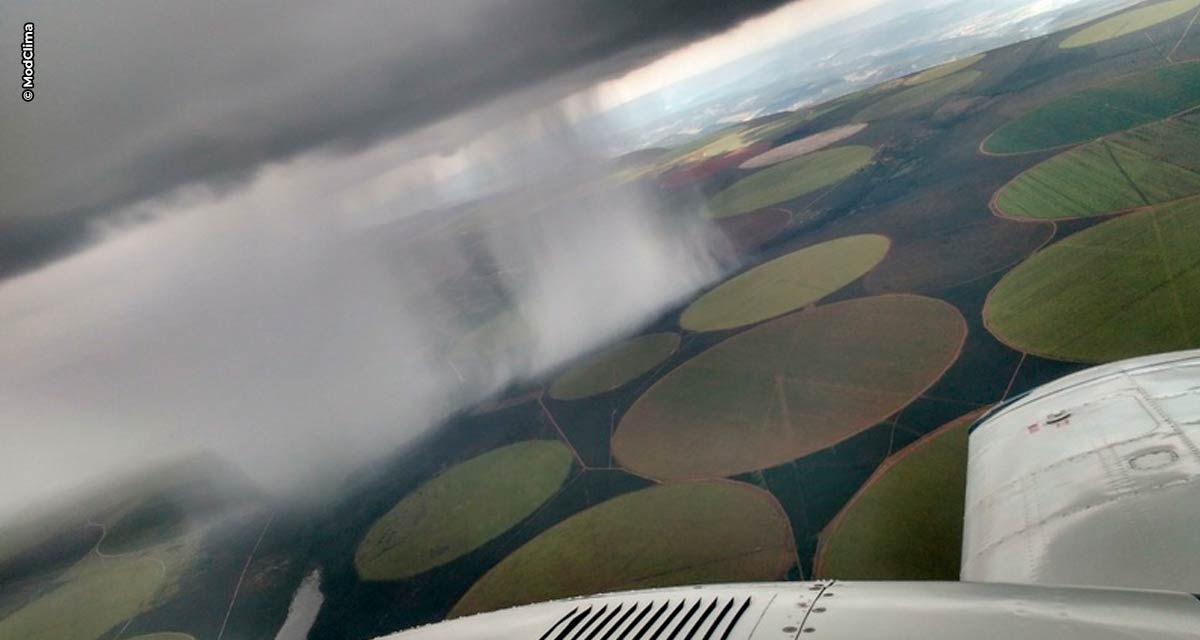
(1091, 480)
(840, 611)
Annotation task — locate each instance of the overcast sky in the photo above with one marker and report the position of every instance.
(197, 238)
(136, 97)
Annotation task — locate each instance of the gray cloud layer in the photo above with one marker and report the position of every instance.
(134, 98)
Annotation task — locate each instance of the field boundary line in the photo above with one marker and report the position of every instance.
(886, 465)
(242, 576)
(562, 435)
(1162, 257)
(1188, 30)
(1129, 179)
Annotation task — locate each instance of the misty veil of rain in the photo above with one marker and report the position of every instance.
(330, 321)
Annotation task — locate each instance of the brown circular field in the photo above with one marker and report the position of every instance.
(803, 146)
(750, 231)
(956, 255)
(791, 387)
(667, 535)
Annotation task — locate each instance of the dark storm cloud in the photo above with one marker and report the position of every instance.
(134, 98)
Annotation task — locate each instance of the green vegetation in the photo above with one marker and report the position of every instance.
(785, 284)
(1129, 22)
(1089, 114)
(906, 522)
(154, 521)
(1128, 287)
(100, 592)
(614, 366)
(666, 535)
(949, 255)
(790, 180)
(789, 388)
(919, 95)
(939, 72)
(1156, 164)
(462, 509)
(803, 146)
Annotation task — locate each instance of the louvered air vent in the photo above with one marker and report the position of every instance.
(706, 618)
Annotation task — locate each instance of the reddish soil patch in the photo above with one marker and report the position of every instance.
(748, 232)
(702, 172)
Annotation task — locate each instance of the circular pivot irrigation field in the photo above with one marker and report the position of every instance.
(1129, 102)
(789, 388)
(667, 535)
(789, 180)
(1125, 288)
(954, 255)
(906, 522)
(1128, 22)
(99, 593)
(462, 509)
(1147, 166)
(939, 72)
(803, 146)
(785, 284)
(614, 366)
(919, 95)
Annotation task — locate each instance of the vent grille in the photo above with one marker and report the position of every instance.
(702, 618)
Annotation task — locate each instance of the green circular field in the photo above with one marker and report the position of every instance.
(941, 71)
(1128, 22)
(462, 509)
(614, 366)
(951, 255)
(99, 593)
(785, 284)
(790, 180)
(667, 535)
(919, 95)
(1125, 288)
(1126, 103)
(906, 522)
(1132, 170)
(788, 388)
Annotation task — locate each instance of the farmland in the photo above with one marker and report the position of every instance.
(919, 95)
(1140, 99)
(1128, 287)
(663, 536)
(1144, 167)
(906, 522)
(614, 366)
(1131, 21)
(785, 284)
(789, 388)
(789, 180)
(462, 509)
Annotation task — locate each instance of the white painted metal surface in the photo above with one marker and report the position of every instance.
(1091, 480)
(851, 611)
